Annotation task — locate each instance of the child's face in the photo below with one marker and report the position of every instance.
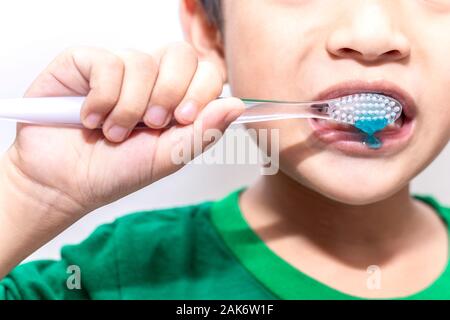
(297, 49)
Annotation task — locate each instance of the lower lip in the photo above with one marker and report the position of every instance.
(351, 142)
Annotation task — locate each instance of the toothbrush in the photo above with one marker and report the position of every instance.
(351, 109)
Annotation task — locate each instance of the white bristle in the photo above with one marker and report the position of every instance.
(365, 107)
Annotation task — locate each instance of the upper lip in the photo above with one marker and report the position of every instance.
(382, 87)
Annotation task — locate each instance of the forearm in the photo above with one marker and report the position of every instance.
(30, 216)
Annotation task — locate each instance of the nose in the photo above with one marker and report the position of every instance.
(368, 32)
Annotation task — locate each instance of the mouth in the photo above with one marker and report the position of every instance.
(348, 139)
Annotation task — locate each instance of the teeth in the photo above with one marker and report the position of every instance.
(396, 125)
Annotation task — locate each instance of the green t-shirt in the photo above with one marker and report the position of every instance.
(203, 251)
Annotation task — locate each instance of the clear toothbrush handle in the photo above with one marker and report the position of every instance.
(260, 110)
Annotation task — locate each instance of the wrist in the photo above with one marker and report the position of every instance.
(41, 197)
(30, 215)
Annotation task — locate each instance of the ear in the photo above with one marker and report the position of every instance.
(202, 34)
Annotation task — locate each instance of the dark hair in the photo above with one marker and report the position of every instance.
(213, 10)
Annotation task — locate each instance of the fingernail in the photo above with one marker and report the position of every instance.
(117, 133)
(156, 116)
(93, 120)
(188, 111)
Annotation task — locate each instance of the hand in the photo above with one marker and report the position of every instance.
(74, 170)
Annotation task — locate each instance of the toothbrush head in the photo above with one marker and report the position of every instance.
(364, 107)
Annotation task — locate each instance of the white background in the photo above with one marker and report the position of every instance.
(34, 32)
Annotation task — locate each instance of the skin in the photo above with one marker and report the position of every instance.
(39, 199)
(311, 207)
(316, 205)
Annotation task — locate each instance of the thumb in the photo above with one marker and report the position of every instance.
(181, 144)
(219, 114)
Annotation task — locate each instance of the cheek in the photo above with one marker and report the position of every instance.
(432, 71)
(437, 113)
(267, 50)
(433, 118)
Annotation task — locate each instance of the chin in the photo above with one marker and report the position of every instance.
(360, 187)
(355, 196)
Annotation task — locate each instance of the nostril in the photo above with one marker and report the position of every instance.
(347, 51)
(369, 55)
(393, 54)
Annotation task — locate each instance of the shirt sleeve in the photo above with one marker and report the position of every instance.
(83, 270)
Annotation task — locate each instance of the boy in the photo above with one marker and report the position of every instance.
(336, 208)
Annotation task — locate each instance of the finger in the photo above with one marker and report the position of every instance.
(140, 74)
(61, 78)
(194, 139)
(206, 86)
(176, 70)
(104, 71)
(219, 114)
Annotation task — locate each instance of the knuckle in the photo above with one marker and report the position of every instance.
(110, 60)
(102, 99)
(181, 46)
(167, 94)
(100, 57)
(128, 115)
(65, 57)
(146, 62)
(140, 60)
(183, 49)
(73, 50)
(212, 77)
